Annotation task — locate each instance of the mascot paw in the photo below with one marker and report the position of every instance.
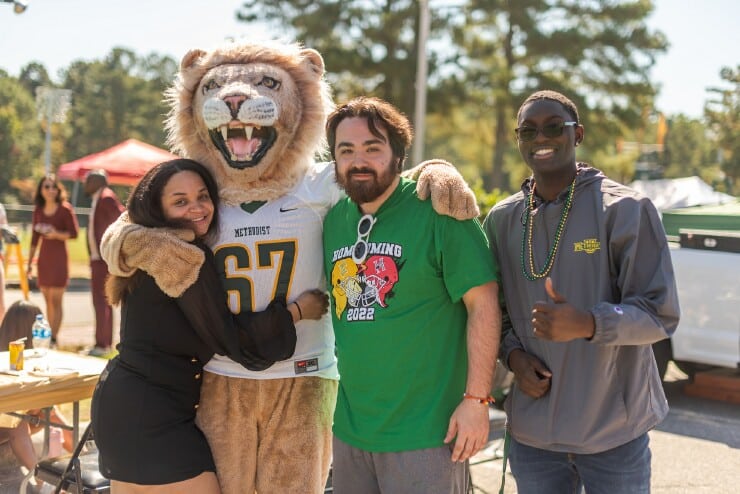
(173, 263)
(164, 253)
(110, 246)
(450, 195)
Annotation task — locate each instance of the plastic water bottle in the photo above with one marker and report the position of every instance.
(41, 332)
(56, 438)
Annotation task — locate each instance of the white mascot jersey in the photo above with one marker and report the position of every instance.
(275, 248)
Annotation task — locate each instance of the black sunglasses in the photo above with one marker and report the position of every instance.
(525, 134)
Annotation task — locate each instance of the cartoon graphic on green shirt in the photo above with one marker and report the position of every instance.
(364, 286)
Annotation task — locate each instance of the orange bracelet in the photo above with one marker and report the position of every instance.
(488, 400)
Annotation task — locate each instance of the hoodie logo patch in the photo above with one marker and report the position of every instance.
(587, 245)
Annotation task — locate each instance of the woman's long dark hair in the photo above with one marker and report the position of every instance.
(145, 209)
(17, 323)
(38, 198)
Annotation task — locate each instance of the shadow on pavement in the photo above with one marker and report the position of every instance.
(700, 418)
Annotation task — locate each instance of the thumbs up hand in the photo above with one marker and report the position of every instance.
(552, 293)
(558, 320)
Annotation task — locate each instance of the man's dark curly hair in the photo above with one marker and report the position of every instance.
(379, 114)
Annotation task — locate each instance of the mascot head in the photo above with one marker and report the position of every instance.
(253, 113)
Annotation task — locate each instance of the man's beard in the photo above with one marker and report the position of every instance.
(366, 191)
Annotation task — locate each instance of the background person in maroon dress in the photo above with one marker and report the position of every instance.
(105, 209)
(53, 223)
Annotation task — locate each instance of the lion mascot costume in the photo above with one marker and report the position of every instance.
(254, 114)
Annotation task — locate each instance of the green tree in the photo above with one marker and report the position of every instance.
(688, 151)
(21, 145)
(485, 54)
(34, 75)
(115, 99)
(723, 116)
(369, 47)
(597, 52)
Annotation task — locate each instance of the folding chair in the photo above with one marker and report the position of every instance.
(329, 488)
(77, 472)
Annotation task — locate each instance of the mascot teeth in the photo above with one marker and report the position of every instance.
(243, 146)
(247, 132)
(242, 127)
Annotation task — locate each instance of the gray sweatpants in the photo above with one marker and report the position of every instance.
(420, 471)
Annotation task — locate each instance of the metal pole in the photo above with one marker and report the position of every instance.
(52, 105)
(75, 192)
(421, 82)
(47, 150)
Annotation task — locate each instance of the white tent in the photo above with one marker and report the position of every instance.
(674, 193)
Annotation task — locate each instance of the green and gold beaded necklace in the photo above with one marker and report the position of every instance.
(533, 275)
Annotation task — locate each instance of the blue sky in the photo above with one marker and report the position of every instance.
(703, 34)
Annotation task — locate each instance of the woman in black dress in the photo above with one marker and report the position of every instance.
(143, 409)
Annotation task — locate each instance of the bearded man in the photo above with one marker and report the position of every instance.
(416, 329)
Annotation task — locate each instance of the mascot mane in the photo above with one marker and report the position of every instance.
(299, 101)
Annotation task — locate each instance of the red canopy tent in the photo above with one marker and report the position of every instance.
(125, 163)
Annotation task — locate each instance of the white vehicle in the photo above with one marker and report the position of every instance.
(707, 268)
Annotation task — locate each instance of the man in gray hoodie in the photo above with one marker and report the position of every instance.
(588, 284)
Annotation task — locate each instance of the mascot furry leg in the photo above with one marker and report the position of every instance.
(294, 436)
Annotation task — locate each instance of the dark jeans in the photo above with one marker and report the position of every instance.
(622, 470)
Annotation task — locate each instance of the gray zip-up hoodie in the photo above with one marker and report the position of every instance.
(614, 261)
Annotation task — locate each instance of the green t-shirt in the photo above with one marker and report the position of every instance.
(399, 319)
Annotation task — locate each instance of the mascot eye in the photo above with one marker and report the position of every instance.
(210, 86)
(270, 83)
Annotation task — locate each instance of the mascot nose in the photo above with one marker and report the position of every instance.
(235, 102)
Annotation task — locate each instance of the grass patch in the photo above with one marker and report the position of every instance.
(79, 259)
